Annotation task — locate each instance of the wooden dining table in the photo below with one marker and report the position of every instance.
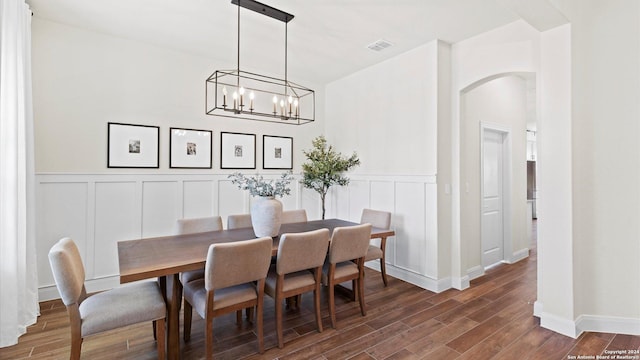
(166, 257)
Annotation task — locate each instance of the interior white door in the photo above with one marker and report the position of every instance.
(492, 198)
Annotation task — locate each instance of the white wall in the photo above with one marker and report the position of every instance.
(83, 80)
(391, 114)
(555, 303)
(605, 129)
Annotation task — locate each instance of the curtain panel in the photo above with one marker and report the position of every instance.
(18, 268)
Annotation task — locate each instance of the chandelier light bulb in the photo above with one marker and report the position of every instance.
(241, 91)
(224, 90)
(252, 95)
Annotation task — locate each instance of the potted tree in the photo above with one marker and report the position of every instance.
(325, 168)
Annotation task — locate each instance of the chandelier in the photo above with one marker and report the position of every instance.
(245, 95)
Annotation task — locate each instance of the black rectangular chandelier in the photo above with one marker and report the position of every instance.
(250, 96)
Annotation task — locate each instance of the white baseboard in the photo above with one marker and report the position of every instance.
(460, 283)
(413, 278)
(590, 323)
(475, 272)
(519, 255)
(608, 324)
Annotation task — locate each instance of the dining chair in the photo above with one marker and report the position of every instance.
(234, 279)
(382, 220)
(105, 310)
(347, 250)
(239, 221)
(294, 216)
(196, 225)
(298, 253)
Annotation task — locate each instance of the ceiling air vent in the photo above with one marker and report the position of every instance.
(379, 45)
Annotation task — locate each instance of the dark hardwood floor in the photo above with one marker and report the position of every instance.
(490, 320)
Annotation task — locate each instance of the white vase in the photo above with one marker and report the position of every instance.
(266, 216)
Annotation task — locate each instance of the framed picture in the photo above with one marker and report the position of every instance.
(133, 146)
(277, 152)
(190, 148)
(237, 151)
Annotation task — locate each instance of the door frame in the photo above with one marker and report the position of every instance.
(507, 185)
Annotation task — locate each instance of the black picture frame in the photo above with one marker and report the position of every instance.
(133, 146)
(190, 148)
(237, 150)
(277, 152)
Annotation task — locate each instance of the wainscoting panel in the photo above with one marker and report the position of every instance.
(383, 198)
(198, 199)
(160, 207)
(410, 246)
(62, 212)
(117, 217)
(231, 201)
(98, 210)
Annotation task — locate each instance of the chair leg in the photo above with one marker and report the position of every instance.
(354, 290)
(159, 325)
(383, 270)
(76, 348)
(360, 282)
(155, 336)
(332, 304)
(316, 305)
(259, 322)
(187, 321)
(298, 301)
(208, 336)
(279, 322)
(249, 312)
(239, 317)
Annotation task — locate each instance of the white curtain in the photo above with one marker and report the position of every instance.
(18, 277)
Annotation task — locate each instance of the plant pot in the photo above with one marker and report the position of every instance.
(266, 216)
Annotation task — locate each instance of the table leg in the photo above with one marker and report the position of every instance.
(174, 298)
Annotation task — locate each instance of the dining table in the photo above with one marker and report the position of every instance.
(165, 257)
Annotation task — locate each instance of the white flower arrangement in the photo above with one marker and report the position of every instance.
(259, 186)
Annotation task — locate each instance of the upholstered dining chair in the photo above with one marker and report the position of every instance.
(239, 221)
(196, 225)
(106, 310)
(347, 250)
(234, 279)
(294, 216)
(379, 219)
(298, 269)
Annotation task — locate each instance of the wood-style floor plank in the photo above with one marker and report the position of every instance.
(493, 319)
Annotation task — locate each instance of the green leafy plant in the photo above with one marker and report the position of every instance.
(258, 186)
(325, 168)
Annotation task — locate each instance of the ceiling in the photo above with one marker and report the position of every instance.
(327, 39)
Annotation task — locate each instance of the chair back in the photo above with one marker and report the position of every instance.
(294, 216)
(235, 263)
(349, 243)
(377, 218)
(239, 221)
(301, 251)
(68, 271)
(197, 225)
